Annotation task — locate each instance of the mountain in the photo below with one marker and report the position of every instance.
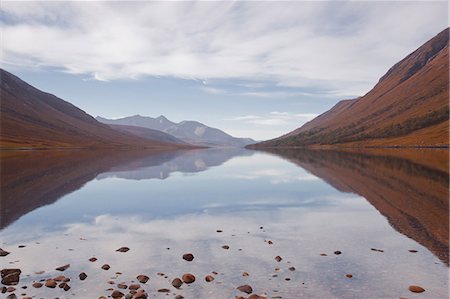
(189, 131)
(147, 133)
(407, 107)
(30, 118)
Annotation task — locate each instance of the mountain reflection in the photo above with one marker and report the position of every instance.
(32, 179)
(408, 187)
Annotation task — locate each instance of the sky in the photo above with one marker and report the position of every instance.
(254, 69)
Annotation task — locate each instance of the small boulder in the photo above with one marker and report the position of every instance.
(50, 283)
(209, 278)
(93, 259)
(177, 283)
(106, 267)
(10, 276)
(123, 249)
(63, 268)
(3, 252)
(416, 289)
(82, 276)
(188, 278)
(142, 278)
(37, 285)
(117, 294)
(245, 289)
(226, 247)
(337, 252)
(163, 290)
(188, 257)
(278, 258)
(134, 287)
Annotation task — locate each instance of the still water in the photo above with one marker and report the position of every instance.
(69, 206)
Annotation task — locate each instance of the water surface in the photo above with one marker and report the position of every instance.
(69, 206)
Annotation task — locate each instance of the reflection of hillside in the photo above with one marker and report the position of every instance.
(185, 161)
(411, 193)
(30, 180)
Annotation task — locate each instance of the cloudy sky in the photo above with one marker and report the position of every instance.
(253, 69)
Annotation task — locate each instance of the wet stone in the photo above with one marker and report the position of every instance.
(291, 269)
(163, 290)
(188, 257)
(10, 289)
(209, 278)
(93, 259)
(3, 252)
(245, 274)
(63, 268)
(226, 247)
(122, 286)
(416, 289)
(82, 276)
(348, 275)
(337, 252)
(188, 278)
(254, 296)
(412, 250)
(10, 276)
(245, 289)
(179, 297)
(3, 290)
(106, 267)
(134, 286)
(278, 258)
(117, 294)
(37, 285)
(142, 278)
(50, 283)
(123, 249)
(176, 283)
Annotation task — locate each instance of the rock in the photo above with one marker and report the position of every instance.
(412, 250)
(209, 278)
(348, 275)
(10, 289)
(82, 276)
(117, 294)
(337, 252)
(278, 258)
(176, 283)
(106, 267)
(63, 268)
(122, 286)
(64, 286)
(188, 278)
(93, 259)
(50, 283)
(11, 296)
(270, 242)
(219, 231)
(39, 272)
(254, 296)
(291, 269)
(416, 289)
(21, 246)
(226, 247)
(163, 290)
(59, 278)
(378, 250)
(134, 287)
(140, 294)
(3, 290)
(142, 278)
(245, 274)
(245, 289)
(37, 285)
(123, 249)
(10, 276)
(287, 279)
(323, 254)
(179, 297)
(3, 252)
(188, 257)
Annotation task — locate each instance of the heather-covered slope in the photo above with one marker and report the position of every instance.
(30, 118)
(408, 107)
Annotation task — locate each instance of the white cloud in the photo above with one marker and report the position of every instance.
(341, 48)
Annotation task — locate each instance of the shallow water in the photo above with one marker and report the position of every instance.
(67, 207)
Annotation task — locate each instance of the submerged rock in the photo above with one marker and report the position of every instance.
(117, 294)
(82, 276)
(209, 278)
(3, 252)
(226, 247)
(337, 252)
(123, 249)
(50, 283)
(416, 289)
(245, 289)
(10, 276)
(177, 283)
(106, 267)
(93, 259)
(278, 258)
(63, 268)
(188, 278)
(134, 287)
(142, 278)
(163, 290)
(188, 257)
(37, 285)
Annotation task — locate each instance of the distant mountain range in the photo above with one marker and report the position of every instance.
(191, 132)
(408, 107)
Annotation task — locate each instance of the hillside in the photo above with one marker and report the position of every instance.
(30, 118)
(407, 107)
(188, 131)
(147, 133)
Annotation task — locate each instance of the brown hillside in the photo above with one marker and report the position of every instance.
(30, 118)
(407, 107)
